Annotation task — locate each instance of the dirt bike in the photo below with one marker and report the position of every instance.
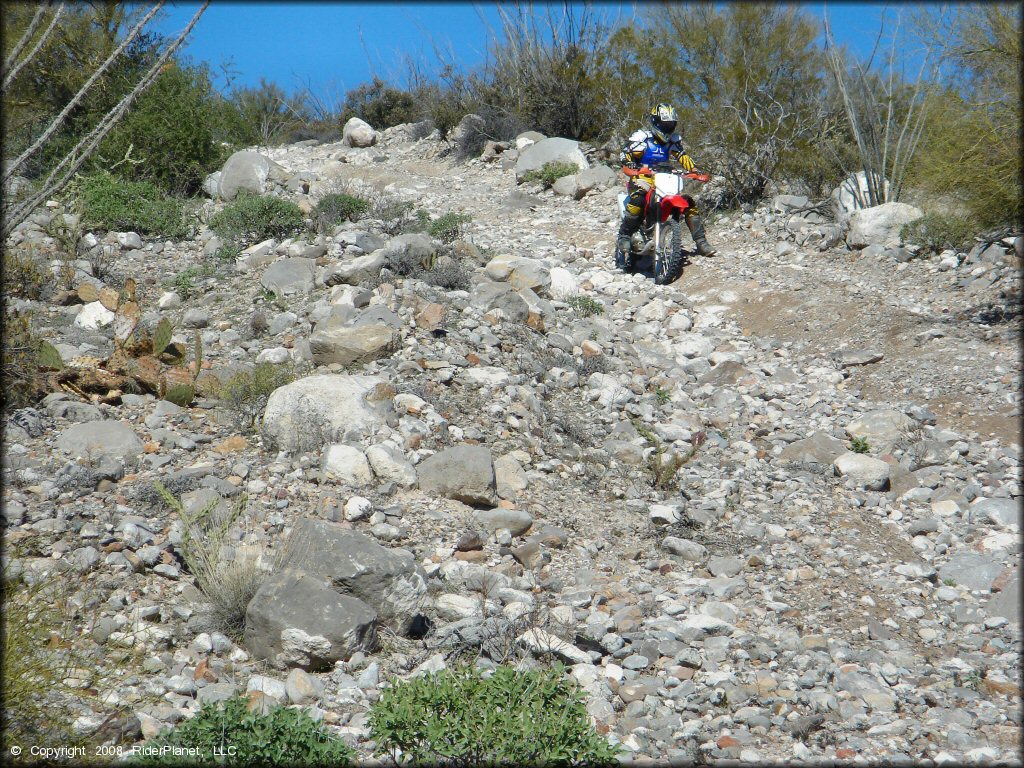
(661, 233)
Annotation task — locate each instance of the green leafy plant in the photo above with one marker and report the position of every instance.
(227, 733)
(184, 282)
(338, 207)
(585, 306)
(936, 232)
(448, 228)
(662, 395)
(252, 218)
(549, 173)
(107, 203)
(459, 717)
(859, 445)
(245, 394)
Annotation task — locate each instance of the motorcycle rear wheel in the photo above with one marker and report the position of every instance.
(668, 263)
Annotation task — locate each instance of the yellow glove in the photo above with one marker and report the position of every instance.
(687, 162)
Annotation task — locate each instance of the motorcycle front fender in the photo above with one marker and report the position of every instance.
(676, 204)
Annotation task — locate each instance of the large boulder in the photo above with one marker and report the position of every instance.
(465, 473)
(882, 429)
(297, 619)
(819, 448)
(865, 471)
(294, 275)
(357, 344)
(556, 150)
(355, 271)
(852, 194)
(880, 225)
(98, 440)
(312, 412)
(248, 171)
(358, 133)
(388, 580)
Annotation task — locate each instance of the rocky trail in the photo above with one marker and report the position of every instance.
(656, 486)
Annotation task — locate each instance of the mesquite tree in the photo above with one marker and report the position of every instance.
(64, 168)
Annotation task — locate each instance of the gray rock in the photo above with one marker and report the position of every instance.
(1006, 603)
(298, 619)
(515, 521)
(545, 151)
(865, 471)
(1000, 512)
(358, 133)
(880, 428)
(388, 580)
(353, 345)
(295, 275)
(99, 440)
(355, 271)
(880, 224)
(464, 472)
(312, 412)
(971, 570)
(849, 358)
(684, 548)
(819, 448)
(389, 464)
(249, 171)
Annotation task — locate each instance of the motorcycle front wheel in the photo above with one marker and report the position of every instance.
(668, 263)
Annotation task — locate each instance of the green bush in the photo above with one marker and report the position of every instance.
(549, 173)
(252, 218)
(130, 206)
(859, 445)
(935, 232)
(448, 228)
(380, 105)
(184, 282)
(335, 208)
(585, 306)
(245, 395)
(24, 360)
(170, 131)
(240, 737)
(511, 717)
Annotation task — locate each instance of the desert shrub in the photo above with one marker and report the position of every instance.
(448, 228)
(227, 584)
(936, 232)
(380, 105)
(228, 733)
(252, 218)
(23, 274)
(107, 203)
(449, 274)
(549, 173)
(38, 658)
(25, 360)
(459, 717)
(171, 132)
(245, 394)
(338, 207)
(859, 445)
(585, 306)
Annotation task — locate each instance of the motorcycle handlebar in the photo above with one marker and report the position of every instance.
(647, 171)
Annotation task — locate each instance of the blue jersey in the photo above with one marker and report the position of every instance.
(643, 149)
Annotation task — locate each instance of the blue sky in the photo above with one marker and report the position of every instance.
(333, 47)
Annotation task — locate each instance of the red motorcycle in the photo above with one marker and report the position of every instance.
(661, 233)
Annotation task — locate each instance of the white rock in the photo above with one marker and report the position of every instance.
(866, 471)
(275, 689)
(357, 508)
(94, 315)
(347, 464)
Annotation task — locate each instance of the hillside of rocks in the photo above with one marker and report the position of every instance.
(768, 512)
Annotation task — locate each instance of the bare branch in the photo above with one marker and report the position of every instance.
(33, 25)
(13, 73)
(59, 119)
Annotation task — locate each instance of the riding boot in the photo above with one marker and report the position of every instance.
(629, 225)
(696, 227)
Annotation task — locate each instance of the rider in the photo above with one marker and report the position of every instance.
(647, 147)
